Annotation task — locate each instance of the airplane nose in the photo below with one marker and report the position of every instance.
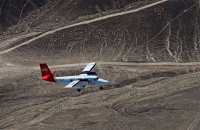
(102, 81)
(106, 81)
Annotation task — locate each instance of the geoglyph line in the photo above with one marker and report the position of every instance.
(194, 123)
(83, 23)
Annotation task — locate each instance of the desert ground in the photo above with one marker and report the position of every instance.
(139, 96)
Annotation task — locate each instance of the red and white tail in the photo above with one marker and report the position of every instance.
(46, 73)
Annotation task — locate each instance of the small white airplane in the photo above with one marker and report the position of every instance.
(85, 78)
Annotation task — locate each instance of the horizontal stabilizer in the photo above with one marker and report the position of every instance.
(46, 77)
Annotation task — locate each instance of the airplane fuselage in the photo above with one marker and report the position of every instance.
(84, 78)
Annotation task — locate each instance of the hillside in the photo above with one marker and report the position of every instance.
(17, 17)
(166, 32)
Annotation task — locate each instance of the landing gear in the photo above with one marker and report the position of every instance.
(100, 87)
(79, 90)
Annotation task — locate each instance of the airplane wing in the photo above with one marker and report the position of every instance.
(89, 67)
(72, 84)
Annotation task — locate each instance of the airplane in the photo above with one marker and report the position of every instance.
(86, 77)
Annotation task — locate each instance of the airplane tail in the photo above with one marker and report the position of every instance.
(46, 73)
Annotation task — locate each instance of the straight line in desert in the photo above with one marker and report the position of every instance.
(83, 23)
(124, 64)
(194, 123)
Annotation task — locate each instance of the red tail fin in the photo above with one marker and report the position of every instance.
(46, 73)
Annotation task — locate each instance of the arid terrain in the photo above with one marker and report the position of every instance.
(140, 96)
(148, 50)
